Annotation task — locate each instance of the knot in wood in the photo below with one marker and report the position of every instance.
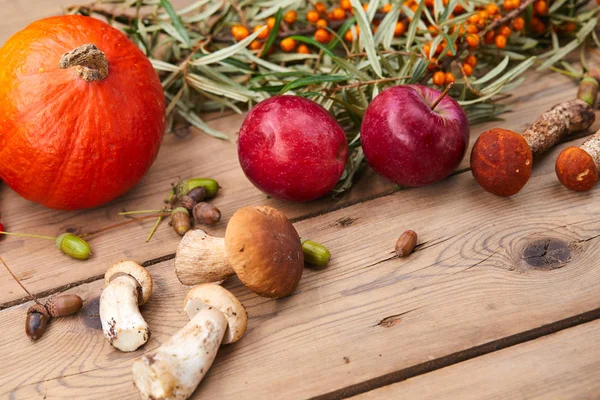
(547, 254)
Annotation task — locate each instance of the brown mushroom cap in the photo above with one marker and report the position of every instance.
(501, 162)
(135, 270)
(264, 249)
(576, 169)
(213, 295)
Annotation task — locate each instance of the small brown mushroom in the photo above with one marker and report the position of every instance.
(501, 160)
(261, 246)
(577, 167)
(128, 285)
(175, 370)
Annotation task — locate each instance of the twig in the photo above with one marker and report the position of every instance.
(363, 83)
(19, 282)
(160, 218)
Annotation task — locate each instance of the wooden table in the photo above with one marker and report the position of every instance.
(466, 316)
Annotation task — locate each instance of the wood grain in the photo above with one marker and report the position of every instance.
(562, 366)
(198, 155)
(369, 315)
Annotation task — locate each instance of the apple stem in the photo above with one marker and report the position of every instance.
(442, 95)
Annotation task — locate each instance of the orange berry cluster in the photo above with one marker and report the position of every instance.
(240, 32)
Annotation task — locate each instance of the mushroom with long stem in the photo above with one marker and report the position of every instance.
(175, 370)
(261, 246)
(501, 160)
(577, 167)
(128, 286)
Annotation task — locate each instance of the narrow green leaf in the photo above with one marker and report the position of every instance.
(311, 80)
(340, 32)
(273, 34)
(351, 69)
(385, 32)
(449, 9)
(312, 41)
(497, 70)
(412, 28)
(419, 71)
(166, 4)
(227, 52)
(366, 36)
(560, 54)
(556, 5)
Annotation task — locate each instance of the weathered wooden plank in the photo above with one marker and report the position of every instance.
(369, 314)
(198, 155)
(564, 366)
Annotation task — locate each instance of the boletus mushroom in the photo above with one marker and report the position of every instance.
(175, 370)
(577, 167)
(501, 160)
(261, 246)
(128, 285)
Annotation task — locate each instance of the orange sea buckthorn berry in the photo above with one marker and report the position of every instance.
(471, 60)
(426, 49)
(290, 16)
(345, 4)
(500, 41)
(264, 34)
(365, 7)
(569, 27)
(338, 14)
(429, 3)
(400, 28)
(449, 52)
(433, 30)
(303, 49)
(537, 25)
(439, 78)
(321, 36)
(348, 36)
(467, 69)
(472, 40)
(489, 37)
(320, 7)
(432, 64)
(450, 78)
(414, 7)
(271, 22)
(504, 31)
(255, 45)
(492, 8)
(322, 23)
(287, 44)
(459, 9)
(483, 15)
(474, 18)
(239, 32)
(472, 29)
(540, 7)
(388, 7)
(312, 16)
(518, 24)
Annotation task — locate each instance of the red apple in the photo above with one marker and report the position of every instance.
(292, 148)
(407, 142)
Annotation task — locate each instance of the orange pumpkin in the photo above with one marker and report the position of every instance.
(82, 112)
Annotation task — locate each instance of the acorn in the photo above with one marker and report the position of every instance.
(36, 322)
(186, 185)
(206, 213)
(73, 246)
(315, 253)
(40, 315)
(180, 218)
(194, 196)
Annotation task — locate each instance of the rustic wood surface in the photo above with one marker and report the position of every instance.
(366, 321)
(563, 365)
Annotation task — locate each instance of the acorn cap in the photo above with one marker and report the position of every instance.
(135, 270)
(264, 249)
(213, 295)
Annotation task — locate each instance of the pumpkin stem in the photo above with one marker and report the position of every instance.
(90, 62)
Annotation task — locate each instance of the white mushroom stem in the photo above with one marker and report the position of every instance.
(177, 368)
(201, 258)
(123, 325)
